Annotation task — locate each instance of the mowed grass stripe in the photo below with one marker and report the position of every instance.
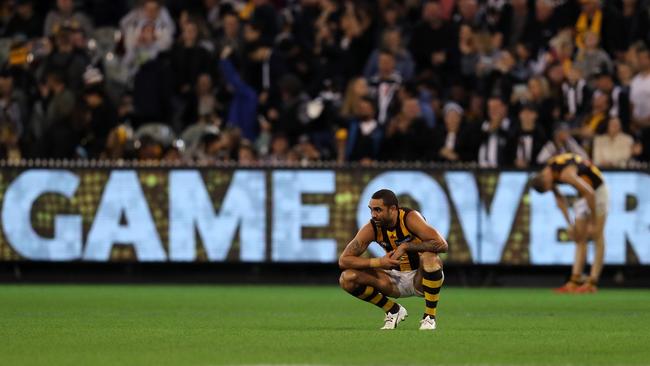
(245, 325)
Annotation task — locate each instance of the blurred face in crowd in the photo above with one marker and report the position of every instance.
(528, 118)
(561, 136)
(556, 74)
(151, 9)
(190, 33)
(366, 110)
(392, 40)
(65, 6)
(411, 108)
(644, 60)
(591, 40)
(468, 9)
(147, 34)
(624, 73)
(251, 34)
(544, 10)
(6, 85)
(360, 87)
(231, 26)
(519, 5)
(279, 145)
(614, 127)
(452, 120)
(600, 102)
(535, 88)
(246, 155)
(496, 110)
(431, 12)
(386, 64)
(204, 84)
(590, 6)
(25, 10)
(93, 100)
(605, 83)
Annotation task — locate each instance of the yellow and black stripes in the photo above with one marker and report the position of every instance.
(390, 239)
(431, 283)
(373, 296)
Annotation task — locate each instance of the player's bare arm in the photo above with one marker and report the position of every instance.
(563, 205)
(432, 241)
(351, 256)
(569, 175)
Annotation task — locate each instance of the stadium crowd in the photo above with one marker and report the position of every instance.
(496, 82)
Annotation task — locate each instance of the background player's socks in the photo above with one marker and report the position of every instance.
(373, 296)
(431, 283)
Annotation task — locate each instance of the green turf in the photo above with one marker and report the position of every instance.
(215, 325)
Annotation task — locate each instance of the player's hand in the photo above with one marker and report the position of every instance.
(387, 262)
(571, 232)
(398, 253)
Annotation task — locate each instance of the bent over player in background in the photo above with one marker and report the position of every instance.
(590, 212)
(410, 267)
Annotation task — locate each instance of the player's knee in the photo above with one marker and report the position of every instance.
(348, 279)
(430, 262)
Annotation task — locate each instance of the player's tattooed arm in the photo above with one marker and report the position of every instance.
(351, 256)
(432, 241)
(435, 246)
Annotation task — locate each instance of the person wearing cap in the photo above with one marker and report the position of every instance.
(589, 211)
(561, 143)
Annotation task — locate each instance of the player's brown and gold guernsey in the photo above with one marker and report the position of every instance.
(586, 169)
(390, 239)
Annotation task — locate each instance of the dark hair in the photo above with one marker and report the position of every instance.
(387, 196)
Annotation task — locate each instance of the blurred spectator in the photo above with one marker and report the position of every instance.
(591, 59)
(451, 138)
(529, 137)
(594, 122)
(247, 156)
(189, 59)
(356, 40)
(65, 16)
(265, 19)
(58, 138)
(230, 35)
(576, 95)
(619, 97)
(561, 143)
(605, 22)
(66, 60)
(24, 22)
(356, 90)
(243, 107)
(496, 138)
(102, 118)
(384, 86)
(430, 42)
(636, 20)
(614, 148)
(152, 141)
(391, 41)
(407, 136)
(364, 134)
(152, 14)
(639, 97)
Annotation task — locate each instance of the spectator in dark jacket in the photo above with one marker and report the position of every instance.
(529, 137)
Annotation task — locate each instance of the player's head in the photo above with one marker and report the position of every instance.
(542, 181)
(383, 207)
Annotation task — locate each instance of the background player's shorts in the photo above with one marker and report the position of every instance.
(581, 207)
(404, 282)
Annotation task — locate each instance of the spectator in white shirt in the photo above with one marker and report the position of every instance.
(614, 148)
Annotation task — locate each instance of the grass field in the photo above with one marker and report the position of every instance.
(216, 325)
